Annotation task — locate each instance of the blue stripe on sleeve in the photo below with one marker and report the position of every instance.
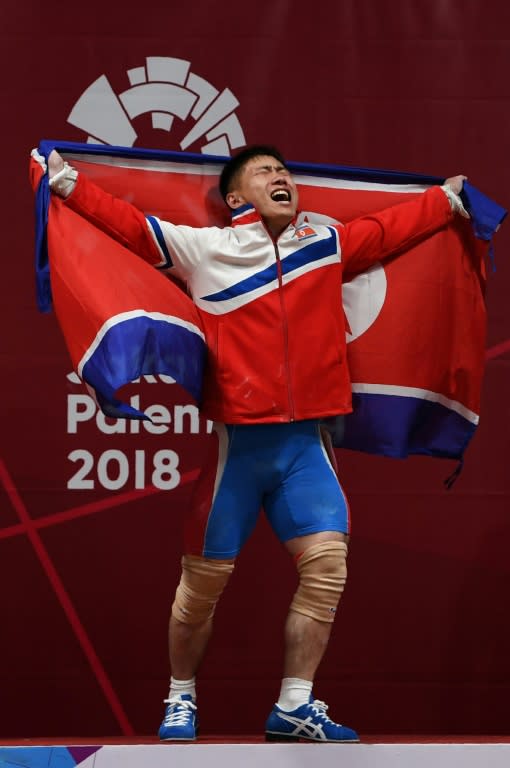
(158, 234)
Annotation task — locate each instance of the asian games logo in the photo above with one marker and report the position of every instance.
(166, 91)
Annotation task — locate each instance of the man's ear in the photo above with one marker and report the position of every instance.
(234, 200)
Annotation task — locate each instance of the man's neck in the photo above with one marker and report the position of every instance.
(276, 225)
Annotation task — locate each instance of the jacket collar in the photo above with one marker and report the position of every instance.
(247, 214)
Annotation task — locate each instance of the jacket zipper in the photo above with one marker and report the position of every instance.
(285, 332)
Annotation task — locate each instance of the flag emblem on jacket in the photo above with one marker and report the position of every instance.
(304, 232)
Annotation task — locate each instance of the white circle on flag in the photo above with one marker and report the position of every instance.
(362, 297)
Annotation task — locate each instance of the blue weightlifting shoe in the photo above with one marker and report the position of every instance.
(309, 722)
(181, 721)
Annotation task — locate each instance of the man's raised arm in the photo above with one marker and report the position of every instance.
(117, 218)
(377, 236)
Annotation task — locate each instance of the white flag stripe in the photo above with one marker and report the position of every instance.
(142, 164)
(421, 394)
(214, 169)
(370, 186)
(123, 317)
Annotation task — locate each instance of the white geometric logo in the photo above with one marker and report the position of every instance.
(167, 89)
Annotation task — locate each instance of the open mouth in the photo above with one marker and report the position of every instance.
(280, 196)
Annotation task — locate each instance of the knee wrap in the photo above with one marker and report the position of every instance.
(202, 582)
(322, 576)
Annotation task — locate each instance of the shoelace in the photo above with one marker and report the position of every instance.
(178, 712)
(321, 708)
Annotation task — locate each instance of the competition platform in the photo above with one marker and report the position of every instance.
(247, 752)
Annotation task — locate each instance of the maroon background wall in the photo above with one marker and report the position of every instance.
(87, 573)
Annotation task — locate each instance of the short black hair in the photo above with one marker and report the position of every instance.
(238, 161)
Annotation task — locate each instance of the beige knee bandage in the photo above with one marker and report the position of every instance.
(322, 576)
(202, 582)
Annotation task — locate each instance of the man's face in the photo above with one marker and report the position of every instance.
(269, 187)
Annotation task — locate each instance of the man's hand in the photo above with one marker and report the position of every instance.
(55, 164)
(454, 182)
(452, 189)
(62, 176)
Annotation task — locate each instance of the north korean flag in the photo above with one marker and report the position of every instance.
(416, 325)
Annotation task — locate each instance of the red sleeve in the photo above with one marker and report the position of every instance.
(115, 217)
(375, 237)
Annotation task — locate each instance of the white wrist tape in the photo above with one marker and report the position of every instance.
(455, 201)
(39, 159)
(63, 182)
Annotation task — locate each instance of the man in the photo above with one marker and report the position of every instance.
(268, 290)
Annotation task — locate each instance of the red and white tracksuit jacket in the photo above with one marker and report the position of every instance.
(271, 309)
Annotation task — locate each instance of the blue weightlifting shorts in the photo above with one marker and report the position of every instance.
(282, 468)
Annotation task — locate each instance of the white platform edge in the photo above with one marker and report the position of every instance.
(473, 755)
